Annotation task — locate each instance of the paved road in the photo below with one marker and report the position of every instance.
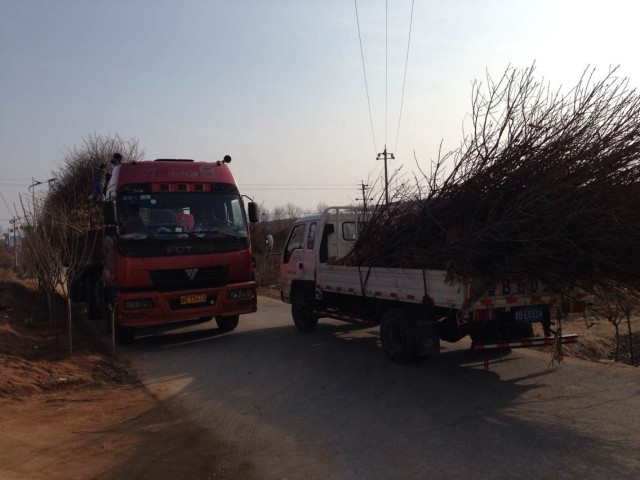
(329, 405)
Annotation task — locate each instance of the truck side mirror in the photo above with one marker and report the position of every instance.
(253, 212)
(109, 213)
(268, 242)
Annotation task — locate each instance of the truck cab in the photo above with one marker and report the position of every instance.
(175, 247)
(317, 239)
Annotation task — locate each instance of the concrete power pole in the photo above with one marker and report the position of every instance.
(384, 156)
(363, 187)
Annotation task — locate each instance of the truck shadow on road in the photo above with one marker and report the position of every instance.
(343, 339)
(154, 338)
(333, 391)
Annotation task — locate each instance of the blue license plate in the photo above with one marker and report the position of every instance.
(528, 314)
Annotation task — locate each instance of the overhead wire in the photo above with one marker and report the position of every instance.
(328, 189)
(386, 70)
(404, 80)
(386, 93)
(366, 86)
(5, 202)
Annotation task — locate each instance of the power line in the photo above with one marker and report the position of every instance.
(5, 202)
(386, 69)
(386, 155)
(364, 71)
(404, 81)
(297, 184)
(327, 189)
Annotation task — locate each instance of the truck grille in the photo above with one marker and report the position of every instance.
(189, 278)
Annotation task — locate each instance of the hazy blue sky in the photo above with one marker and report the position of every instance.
(277, 84)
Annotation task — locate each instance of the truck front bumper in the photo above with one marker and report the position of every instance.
(147, 308)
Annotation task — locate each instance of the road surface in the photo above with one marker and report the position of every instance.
(328, 404)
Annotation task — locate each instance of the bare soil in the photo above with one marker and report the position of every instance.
(82, 415)
(597, 341)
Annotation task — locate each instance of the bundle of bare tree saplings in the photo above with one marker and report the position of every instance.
(545, 186)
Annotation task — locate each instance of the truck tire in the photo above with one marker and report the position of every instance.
(302, 313)
(93, 309)
(398, 336)
(124, 335)
(227, 323)
(106, 314)
(77, 290)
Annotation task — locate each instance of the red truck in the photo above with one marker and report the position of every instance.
(175, 247)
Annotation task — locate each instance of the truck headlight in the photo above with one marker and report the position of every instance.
(138, 304)
(241, 293)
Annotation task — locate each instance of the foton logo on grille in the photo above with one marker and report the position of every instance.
(191, 273)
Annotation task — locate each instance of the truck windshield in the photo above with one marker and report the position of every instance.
(181, 215)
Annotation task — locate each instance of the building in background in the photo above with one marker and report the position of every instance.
(11, 240)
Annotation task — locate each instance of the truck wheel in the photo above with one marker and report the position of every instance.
(227, 323)
(398, 336)
(302, 313)
(106, 314)
(77, 290)
(93, 311)
(124, 335)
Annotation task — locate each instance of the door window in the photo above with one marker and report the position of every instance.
(312, 236)
(296, 239)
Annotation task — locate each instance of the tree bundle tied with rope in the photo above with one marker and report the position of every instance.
(545, 186)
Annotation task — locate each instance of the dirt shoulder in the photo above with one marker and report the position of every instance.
(83, 415)
(86, 416)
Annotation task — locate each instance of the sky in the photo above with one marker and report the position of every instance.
(279, 84)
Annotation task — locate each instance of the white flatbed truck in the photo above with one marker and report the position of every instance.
(415, 308)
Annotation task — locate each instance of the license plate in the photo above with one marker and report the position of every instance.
(192, 299)
(529, 315)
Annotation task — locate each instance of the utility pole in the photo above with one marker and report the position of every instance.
(364, 187)
(35, 183)
(14, 226)
(384, 156)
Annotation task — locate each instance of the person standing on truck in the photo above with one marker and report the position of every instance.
(133, 222)
(99, 175)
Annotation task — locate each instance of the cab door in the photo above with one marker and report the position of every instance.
(292, 266)
(308, 260)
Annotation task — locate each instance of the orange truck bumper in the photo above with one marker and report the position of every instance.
(149, 308)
